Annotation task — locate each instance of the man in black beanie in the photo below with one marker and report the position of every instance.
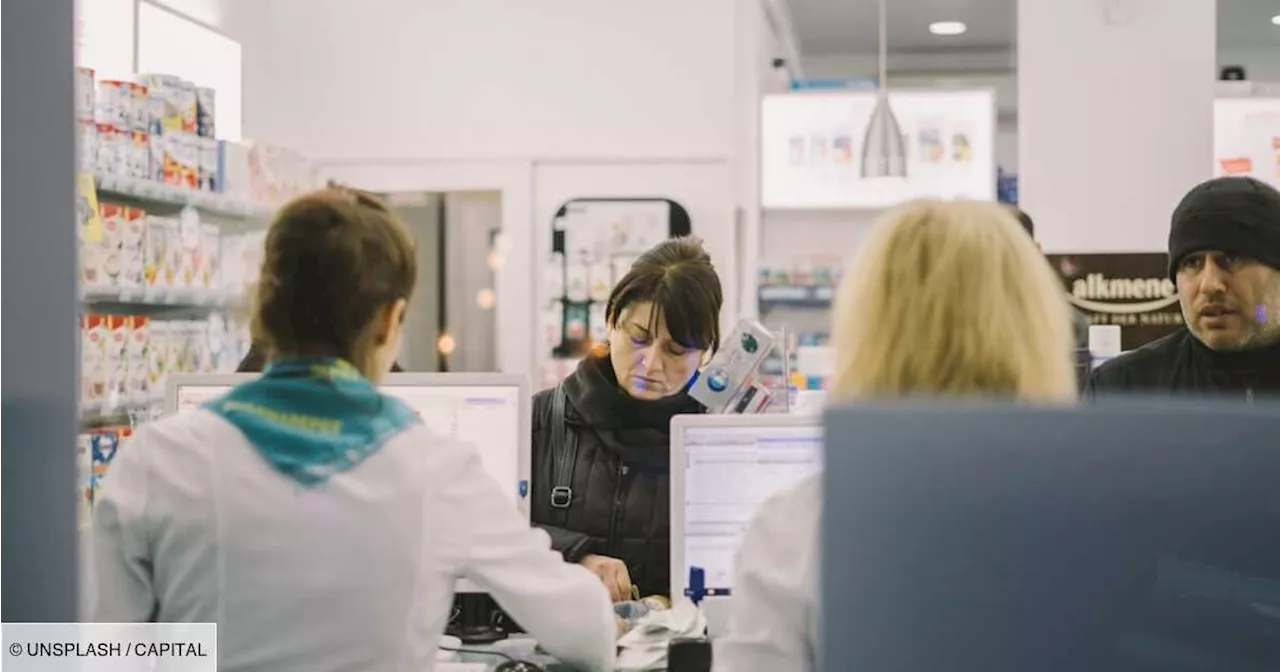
(1224, 256)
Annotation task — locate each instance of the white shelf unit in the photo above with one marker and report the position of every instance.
(156, 192)
(230, 214)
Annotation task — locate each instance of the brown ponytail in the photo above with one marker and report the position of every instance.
(333, 260)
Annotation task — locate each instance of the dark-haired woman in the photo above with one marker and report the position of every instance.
(600, 465)
(318, 522)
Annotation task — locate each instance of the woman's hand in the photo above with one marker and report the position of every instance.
(613, 574)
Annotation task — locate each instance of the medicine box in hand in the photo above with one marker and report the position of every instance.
(733, 366)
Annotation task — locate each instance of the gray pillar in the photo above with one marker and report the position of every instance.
(40, 313)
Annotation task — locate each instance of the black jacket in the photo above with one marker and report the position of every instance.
(621, 501)
(1179, 364)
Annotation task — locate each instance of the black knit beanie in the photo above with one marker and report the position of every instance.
(1239, 215)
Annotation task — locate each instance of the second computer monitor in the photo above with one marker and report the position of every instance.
(723, 467)
(490, 411)
(1122, 537)
(487, 410)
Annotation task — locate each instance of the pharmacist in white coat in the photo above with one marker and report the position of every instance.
(318, 522)
(989, 319)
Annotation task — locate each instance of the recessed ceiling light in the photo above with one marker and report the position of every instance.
(1276, 19)
(947, 27)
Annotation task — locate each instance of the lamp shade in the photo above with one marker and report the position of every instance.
(883, 151)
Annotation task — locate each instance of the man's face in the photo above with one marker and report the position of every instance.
(1229, 302)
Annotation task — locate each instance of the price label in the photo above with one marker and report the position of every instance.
(87, 216)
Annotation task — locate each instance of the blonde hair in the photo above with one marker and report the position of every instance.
(952, 298)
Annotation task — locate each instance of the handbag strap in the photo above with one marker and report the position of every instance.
(564, 447)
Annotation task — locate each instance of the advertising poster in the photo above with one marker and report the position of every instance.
(593, 244)
(1246, 138)
(811, 148)
(1131, 290)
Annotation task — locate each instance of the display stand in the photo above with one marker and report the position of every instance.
(594, 241)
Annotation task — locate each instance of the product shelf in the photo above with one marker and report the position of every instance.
(156, 192)
(119, 414)
(166, 298)
(795, 296)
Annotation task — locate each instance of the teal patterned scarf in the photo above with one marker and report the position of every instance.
(314, 417)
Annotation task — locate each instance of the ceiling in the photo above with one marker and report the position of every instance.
(850, 26)
(1247, 23)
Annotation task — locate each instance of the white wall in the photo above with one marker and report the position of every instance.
(758, 44)
(468, 79)
(216, 14)
(586, 98)
(104, 36)
(791, 234)
(1111, 137)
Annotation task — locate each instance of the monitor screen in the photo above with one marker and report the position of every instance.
(1127, 536)
(729, 472)
(194, 396)
(485, 416)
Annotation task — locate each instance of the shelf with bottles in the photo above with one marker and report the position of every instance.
(795, 296)
(140, 299)
(804, 282)
(809, 362)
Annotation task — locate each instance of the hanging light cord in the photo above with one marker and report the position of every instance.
(884, 50)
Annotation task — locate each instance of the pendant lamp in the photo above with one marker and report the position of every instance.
(883, 152)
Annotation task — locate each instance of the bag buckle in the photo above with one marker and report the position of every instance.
(561, 497)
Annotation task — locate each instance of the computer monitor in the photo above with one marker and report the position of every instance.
(491, 411)
(186, 391)
(1142, 537)
(722, 468)
(488, 410)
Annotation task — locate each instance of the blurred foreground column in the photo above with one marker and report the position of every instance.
(40, 314)
(1115, 117)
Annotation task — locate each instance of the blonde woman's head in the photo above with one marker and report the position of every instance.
(951, 298)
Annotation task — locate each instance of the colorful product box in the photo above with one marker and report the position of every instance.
(208, 164)
(113, 104)
(167, 89)
(157, 356)
(156, 251)
(205, 106)
(117, 360)
(138, 363)
(85, 94)
(210, 257)
(133, 249)
(84, 479)
(93, 356)
(105, 445)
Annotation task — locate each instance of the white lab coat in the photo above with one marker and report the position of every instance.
(775, 609)
(358, 573)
